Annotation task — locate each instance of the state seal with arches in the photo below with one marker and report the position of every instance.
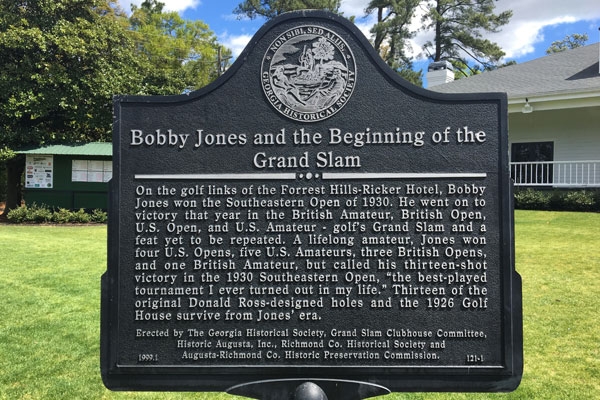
(308, 73)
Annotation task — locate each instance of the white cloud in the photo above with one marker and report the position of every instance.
(236, 43)
(170, 5)
(180, 5)
(126, 4)
(519, 37)
(354, 8)
(365, 25)
(524, 30)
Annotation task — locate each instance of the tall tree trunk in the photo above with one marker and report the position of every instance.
(438, 32)
(379, 35)
(14, 189)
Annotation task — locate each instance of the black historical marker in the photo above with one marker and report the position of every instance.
(311, 223)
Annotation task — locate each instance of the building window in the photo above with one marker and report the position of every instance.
(532, 163)
(91, 171)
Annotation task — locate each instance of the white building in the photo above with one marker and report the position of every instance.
(554, 116)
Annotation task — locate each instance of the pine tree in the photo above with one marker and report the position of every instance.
(392, 32)
(570, 42)
(271, 8)
(459, 27)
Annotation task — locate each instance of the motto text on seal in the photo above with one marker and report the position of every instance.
(308, 73)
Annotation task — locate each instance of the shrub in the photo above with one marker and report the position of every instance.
(579, 201)
(34, 213)
(557, 200)
(80, 216)
(530, 199)
(99, 216)
(43, 214)
(18, 215)
(62, 216)
(40, 214)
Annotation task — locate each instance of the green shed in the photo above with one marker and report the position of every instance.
(68, 176)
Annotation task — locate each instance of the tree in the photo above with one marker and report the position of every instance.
(323, 50)
(391, 33)
(569, 42)
(61, 63)
(63, 60)
(458, 27)
(272, 8)
(180, 55)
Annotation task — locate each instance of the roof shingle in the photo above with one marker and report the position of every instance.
(571, 71)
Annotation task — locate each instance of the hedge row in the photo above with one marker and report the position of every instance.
(557, 200)
(43, 214)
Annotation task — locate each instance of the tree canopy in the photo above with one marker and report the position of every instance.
(391, 33)
(272, 8)
(180, 55)
(63, 60)
(569, 42)
(459, 26)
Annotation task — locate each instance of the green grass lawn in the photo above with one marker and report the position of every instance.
(50, 307)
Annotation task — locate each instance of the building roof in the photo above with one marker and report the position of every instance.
(560, 76)
(83, 149)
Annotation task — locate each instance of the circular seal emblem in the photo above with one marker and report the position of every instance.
(308, 73)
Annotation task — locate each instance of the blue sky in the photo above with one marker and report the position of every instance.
(534, 26)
